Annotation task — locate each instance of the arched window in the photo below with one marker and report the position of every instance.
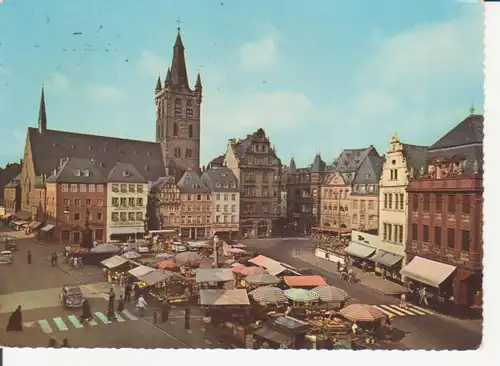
(190, 131)
(189, 109)
(177, 152)
(187, 153)
(178, 108)
(176, 130)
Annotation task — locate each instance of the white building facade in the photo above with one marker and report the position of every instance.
(127, 197)
(400, 161)
(225, 192)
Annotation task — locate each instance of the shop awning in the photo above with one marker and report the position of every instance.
(113, 262)
(5, 217)
(386, 259)
(359, 250)
(427, 271)
(224, 297)
(47, 227)
(35, 225)
(214, 275)
(19, 222)
(126, 230)
(304, 281)
(273, 335)
(140, 271)
(152, 278)
(273, 267)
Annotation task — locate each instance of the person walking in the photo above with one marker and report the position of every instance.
(166, 311)
(423, 296)
(52, 342)
(86, 314)
(402, 301)
(128, 290)
(120, 304)
(65, 343)
(29, 256)
(141, 305)
(187, 315)
(15, 323)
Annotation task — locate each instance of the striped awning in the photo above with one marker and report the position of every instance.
(301, 295)
(268, 295)
(386, 259)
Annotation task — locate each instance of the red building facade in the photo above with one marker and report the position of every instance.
(445, 206)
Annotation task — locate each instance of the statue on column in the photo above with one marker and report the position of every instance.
(422, 171)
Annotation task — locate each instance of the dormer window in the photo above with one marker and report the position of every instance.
(233, 185)
(218, 185)
(195, 185)
(86, 173)
(78, 173)
(126, 173)
(226, 185)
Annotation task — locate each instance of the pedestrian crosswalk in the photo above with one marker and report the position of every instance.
(410, 310)
(62, 324)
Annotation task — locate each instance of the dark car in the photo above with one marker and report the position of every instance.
(9, 243)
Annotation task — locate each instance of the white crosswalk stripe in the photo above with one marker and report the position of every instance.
(62, 324)
(396, 310)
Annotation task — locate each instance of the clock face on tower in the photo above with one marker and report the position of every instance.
(183, 128)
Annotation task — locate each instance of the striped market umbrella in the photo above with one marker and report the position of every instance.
(238, 268)
(361, 313)
(331, 294)
(165, 255)
(187, 257)
(262, 279)
(268, 295)
(252, 271)
(301, 295)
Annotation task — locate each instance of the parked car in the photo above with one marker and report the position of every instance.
(143, 248)
(6, 257)
(9, 242)
(179, 247)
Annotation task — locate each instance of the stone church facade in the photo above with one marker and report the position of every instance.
(178, 116)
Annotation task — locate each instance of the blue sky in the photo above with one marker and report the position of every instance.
(318, 76)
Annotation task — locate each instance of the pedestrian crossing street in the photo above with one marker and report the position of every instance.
(396, 310)
(73, 321)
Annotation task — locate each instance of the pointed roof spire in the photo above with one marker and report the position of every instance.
(293, 168)
(168, 78)
(158, 84)
(179, 76)
(42, 113)
(198, 82)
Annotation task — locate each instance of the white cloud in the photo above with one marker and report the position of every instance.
(151, 63)
(57, 82)
(104, 93)
(259, 55)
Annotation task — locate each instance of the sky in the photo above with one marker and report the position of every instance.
(318, 76)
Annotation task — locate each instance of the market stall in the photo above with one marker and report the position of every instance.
(168, 264)
(248, 271)
(223, 278)
(262, 279)
(284, 332)
(268, 295)
(131, 255)
(304, 281)
(140, 271)
(117, 266)
(300, 296)
(332, 295)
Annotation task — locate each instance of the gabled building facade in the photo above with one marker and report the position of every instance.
(165, 205)
(12, 196)
(400, 163)
(258, 169)
(127, 194)
(303, 187)
(225, 192)
(445, 221)
(196, 207)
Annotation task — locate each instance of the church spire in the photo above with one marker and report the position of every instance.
(158, 84)
(198, 82)
(42, 114)
(179, 78)
(168, 79)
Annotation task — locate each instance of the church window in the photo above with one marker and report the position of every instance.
(190, 131)
(189, 109)
(176, 130)
(178, 108)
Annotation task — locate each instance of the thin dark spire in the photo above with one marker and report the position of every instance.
(158, 84)
(179, 78)
(42, 113)
(168, 78)
(198, 82)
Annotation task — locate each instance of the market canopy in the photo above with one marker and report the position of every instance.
(272, 266)
(262, 279)
(140, 271)
(187, 257)
(301, 295)
(427, 271)
(154, 277)
(268, 295)
(247, 271)
(385, 258)
(114, 262)
(167, 264)
(224, 297)
(304, 281)
(131, 255)
(331, 294)
(359, 250)
(214, 275)
(165, 255)
(105, 248)
(238, 267)
(34, 225)
(361, 313)
(47, 227)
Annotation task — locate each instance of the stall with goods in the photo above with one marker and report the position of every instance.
(221, 278)
(284, 332)
(116, 268)
(307, 282)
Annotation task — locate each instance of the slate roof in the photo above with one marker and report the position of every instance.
(77, 170)
(241, 146)
(217, 161)
(370, 170)
(122, 172)
(191, 183)
(468, 153)
(318, 164)
(158, 185)
(292, 168)
(415, 156)
(14, 182)
(350, 160)
(467, 132)
(211, 177)
(49, 147)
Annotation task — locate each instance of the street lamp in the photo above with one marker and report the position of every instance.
(216, 253)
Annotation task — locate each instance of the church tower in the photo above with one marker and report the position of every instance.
(178, 115)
